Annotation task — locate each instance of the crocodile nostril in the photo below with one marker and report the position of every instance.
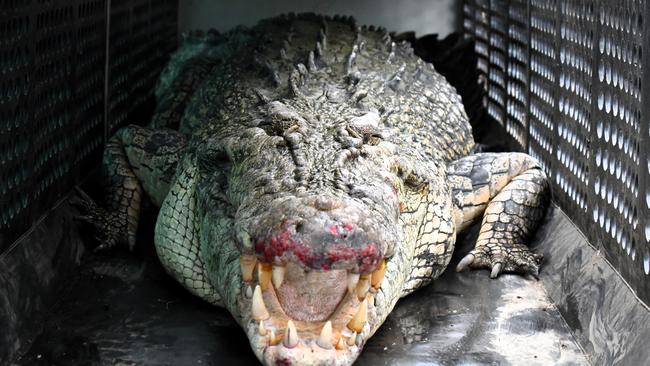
(325, 203)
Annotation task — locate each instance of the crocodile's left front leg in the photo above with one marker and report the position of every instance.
(136, 158)
(511, 192)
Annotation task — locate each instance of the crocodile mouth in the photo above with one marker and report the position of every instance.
(310, 296)
(294, 310)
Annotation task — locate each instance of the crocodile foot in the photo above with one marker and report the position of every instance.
(499, 257)
(110, 228)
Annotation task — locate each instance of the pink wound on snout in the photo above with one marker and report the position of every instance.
(365, 257)
(338, 230)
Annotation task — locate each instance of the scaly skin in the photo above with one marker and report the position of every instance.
(324, 163)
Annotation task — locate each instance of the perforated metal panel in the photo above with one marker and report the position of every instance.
(501, 38)
(573, 135)
(16, 49)
(577, 100)
(517, 72)
(52, 92)
(119, 67)
(91, 45)
(618, 135)
(481, 32)
(50, 104)
(543, 72)
(142, 34)
(496, 75)
(469, 9)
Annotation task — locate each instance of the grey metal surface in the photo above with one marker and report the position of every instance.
(32, 273)
(611, 323)
(422, 16)
(122, 309)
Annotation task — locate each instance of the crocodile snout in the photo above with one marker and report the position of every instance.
(325, 234)
(320, 244)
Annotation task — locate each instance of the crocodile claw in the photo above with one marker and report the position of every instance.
(496, 269)
(466, 261)
(106, 226)
(500, 258)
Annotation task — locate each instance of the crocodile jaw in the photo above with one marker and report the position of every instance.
(277, 339)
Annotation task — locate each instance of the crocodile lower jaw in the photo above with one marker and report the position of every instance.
(285, 320)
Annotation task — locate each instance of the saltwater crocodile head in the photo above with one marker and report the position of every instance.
(316, 262)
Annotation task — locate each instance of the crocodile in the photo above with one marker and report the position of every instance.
(311, 172)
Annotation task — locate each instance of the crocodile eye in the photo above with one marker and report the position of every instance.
(366, 127)
(211, 156)
(281, 119)
(408, 173)
(369, 136)
(280, 126)
(413, 180)
(373, 139)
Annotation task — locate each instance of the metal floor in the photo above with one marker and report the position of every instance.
(122, 309)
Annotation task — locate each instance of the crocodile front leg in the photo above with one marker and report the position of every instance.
(510, 192)
(136, 158)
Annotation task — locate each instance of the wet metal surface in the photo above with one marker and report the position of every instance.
(611, 323)
(32, 272)
(122, 309)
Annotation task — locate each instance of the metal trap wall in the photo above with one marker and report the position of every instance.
(566, 80)
(61, 94)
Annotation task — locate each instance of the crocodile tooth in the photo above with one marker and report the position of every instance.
(258, 308)
(378, 275)
(359, 339)
(290, 336)
(273, 339)
(353, 279)
(363, 287)
(264, 275)
(341, 344)
(249, 292)
(247, 265)
(325, 338)
(359, 319)
(278, 275)
(353, 338)
(261, 330)
(371, 300)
